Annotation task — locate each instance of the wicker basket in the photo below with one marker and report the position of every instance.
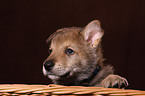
(55, 90)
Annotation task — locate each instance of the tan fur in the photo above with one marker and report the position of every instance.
(78, 68)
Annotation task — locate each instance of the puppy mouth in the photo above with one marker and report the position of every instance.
(55, 76)
(65, 75)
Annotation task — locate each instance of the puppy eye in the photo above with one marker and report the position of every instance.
(50, 51)
(69, 51)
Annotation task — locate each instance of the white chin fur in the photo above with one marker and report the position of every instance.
(53, 77)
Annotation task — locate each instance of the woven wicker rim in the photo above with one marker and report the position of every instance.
(24, 89)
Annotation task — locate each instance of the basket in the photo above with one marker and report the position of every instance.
(59, 90)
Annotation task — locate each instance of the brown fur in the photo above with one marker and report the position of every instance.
(78, 68)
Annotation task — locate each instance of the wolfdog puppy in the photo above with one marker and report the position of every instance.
(76, 58)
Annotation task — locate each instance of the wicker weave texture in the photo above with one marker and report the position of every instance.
(55, 90)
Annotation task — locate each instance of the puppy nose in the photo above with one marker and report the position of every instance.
(48, 65)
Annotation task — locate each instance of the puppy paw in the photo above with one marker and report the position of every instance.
(114, 81)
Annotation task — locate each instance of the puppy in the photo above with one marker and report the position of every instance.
(76, 58)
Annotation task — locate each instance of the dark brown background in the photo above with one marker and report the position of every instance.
(25, 25)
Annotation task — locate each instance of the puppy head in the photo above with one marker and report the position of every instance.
(73, 52)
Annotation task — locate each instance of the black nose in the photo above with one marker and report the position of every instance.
(48, 65)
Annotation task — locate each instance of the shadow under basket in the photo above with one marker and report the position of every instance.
(59, 90)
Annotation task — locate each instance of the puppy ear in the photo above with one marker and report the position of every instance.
(93, 33)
